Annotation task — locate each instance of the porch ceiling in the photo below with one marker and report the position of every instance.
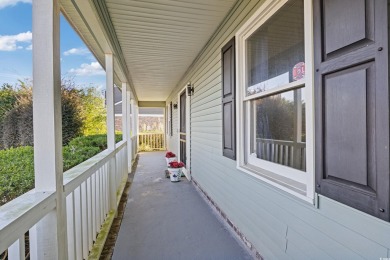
(160, 39)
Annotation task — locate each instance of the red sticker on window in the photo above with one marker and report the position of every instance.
(299, 71)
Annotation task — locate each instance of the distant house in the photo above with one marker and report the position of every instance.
(151, 120)
(118, 109)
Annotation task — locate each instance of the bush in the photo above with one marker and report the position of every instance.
(16, 172)
(93, 140)
(17, 164)
(74, 155)
(7, 101)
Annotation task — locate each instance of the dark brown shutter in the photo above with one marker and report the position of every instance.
(352, 103)
(171, 119)
(228, 100)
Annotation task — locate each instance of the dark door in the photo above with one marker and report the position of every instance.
(352, 103)
(182, 134)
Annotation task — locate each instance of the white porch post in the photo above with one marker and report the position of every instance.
(48, 238)
(129, 140)
(134, 110)
(111, 127)
(125, 124)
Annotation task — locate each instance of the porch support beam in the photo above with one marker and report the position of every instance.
(111, 127)
(151, 103)
(48, 238)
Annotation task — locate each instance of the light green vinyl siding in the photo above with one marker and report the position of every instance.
(279, 225)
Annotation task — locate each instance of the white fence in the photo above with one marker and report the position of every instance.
(87, 191)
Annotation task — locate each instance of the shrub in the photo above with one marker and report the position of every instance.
(17, 164)
(74, 155)
(16, 172)
(93, 140)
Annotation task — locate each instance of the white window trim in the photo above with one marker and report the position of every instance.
(269, 172)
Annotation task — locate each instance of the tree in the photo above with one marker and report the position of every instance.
(93, 112)
(17, 122)
(7, 100)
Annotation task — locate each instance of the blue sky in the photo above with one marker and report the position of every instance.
(77, 62)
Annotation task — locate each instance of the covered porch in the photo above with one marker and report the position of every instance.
(281, 119)
(145, 49)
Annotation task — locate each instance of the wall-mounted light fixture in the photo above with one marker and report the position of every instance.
(190, 89)
(175, 106)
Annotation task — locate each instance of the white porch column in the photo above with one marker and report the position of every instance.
(125, 124)
(48, 238)
(111, 126)
(129, 140)
(134, 110)
(125, 128)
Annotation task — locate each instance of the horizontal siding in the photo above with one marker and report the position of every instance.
(279, 225)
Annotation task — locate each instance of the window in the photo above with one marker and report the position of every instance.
(274, 83)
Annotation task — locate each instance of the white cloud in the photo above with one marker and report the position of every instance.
(9, 42)
(29, 48)
(76, 51)
(91, 69)
(6, 3)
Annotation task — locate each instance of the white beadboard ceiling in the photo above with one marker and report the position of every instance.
(161, 38)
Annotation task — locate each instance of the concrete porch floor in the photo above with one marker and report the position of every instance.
(165, 220)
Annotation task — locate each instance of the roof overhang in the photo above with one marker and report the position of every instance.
(154, 42)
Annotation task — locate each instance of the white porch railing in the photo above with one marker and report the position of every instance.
(87, 192)
(151, 141)
(287, 153)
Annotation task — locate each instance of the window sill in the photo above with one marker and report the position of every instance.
(288, 185)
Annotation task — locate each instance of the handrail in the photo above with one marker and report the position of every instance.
(22, 213)
(120, 145)
(80, 173)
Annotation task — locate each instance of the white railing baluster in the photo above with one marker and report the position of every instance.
(94, 215)
(107, 189)
(102, 199)
(78, 223)
(97, 201)
(84, 218)
(70, 226)
(90, 218)
(16, 250)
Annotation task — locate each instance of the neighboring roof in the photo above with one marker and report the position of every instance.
(151, 111)
(117, 101)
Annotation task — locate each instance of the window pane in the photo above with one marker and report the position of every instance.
(275, 52)
(279, 129)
